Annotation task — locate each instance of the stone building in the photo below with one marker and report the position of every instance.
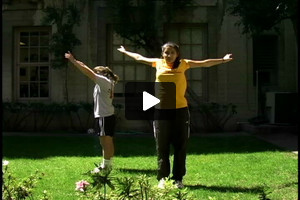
(203, 32)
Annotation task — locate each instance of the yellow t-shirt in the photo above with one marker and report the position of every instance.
(164, 73)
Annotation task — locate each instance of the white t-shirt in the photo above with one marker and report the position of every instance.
(103, 96)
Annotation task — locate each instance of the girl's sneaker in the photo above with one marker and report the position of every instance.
(106, 170)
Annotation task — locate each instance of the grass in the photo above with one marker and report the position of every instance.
(235, 167)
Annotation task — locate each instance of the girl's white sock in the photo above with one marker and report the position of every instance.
(106, 163)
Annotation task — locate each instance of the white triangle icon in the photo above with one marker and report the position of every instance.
(149, 101)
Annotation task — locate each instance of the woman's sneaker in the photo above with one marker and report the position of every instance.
(162, 183)
(179, 184)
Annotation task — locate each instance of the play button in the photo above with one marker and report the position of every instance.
(149, 101)
(143, 99)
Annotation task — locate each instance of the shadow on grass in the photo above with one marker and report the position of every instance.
(87, 146)
(224, 189)
(233, 144)
(127, 147)
(44, 146)
(261, 191)
(139, 171)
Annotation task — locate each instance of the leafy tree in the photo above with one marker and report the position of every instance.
(257, 16)
(141, 23)
(63, 17)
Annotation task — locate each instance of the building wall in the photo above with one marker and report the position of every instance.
(21, 15)
(12, 17)
(288, 62)
(226, 83)
(234, 80)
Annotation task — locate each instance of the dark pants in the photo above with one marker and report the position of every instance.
(174, 133)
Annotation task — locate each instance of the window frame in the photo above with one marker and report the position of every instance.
(17, 64)
(204, 71)
(111, 46)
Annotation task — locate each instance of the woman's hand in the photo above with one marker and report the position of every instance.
(227, 58)
(122, 49)
(69, 56)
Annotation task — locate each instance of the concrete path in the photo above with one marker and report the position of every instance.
(287, 141)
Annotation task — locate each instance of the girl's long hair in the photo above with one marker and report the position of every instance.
(107, 72)
(176, 47)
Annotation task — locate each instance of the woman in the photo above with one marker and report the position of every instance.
(175, 132)
(105, 81)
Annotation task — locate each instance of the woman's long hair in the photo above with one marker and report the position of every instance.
(176, 47)
(107, 72)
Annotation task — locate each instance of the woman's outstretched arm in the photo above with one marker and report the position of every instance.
(81, 66)
(210, 62)
(137, 57)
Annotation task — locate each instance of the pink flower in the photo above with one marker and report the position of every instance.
(81, 185)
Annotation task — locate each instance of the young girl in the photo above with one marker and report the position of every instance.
(105, 81)
(175, 132)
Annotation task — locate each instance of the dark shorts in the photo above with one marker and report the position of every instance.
(105, 126)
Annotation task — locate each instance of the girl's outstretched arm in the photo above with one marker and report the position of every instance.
(81, 66)
(137, 57)
(210, 62)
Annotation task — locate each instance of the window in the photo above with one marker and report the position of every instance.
(191, 39)
(125, 67)
(32, 62)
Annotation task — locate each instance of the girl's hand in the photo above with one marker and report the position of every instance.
(227, 58)
(69, 55)
(122, 49)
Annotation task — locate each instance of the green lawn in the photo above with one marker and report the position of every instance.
(234, 167)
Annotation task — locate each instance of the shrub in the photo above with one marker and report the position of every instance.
(214, 116)
(38, 116)
(135, 188)
(12, 188)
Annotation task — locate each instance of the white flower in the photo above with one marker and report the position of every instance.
(5, 162)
